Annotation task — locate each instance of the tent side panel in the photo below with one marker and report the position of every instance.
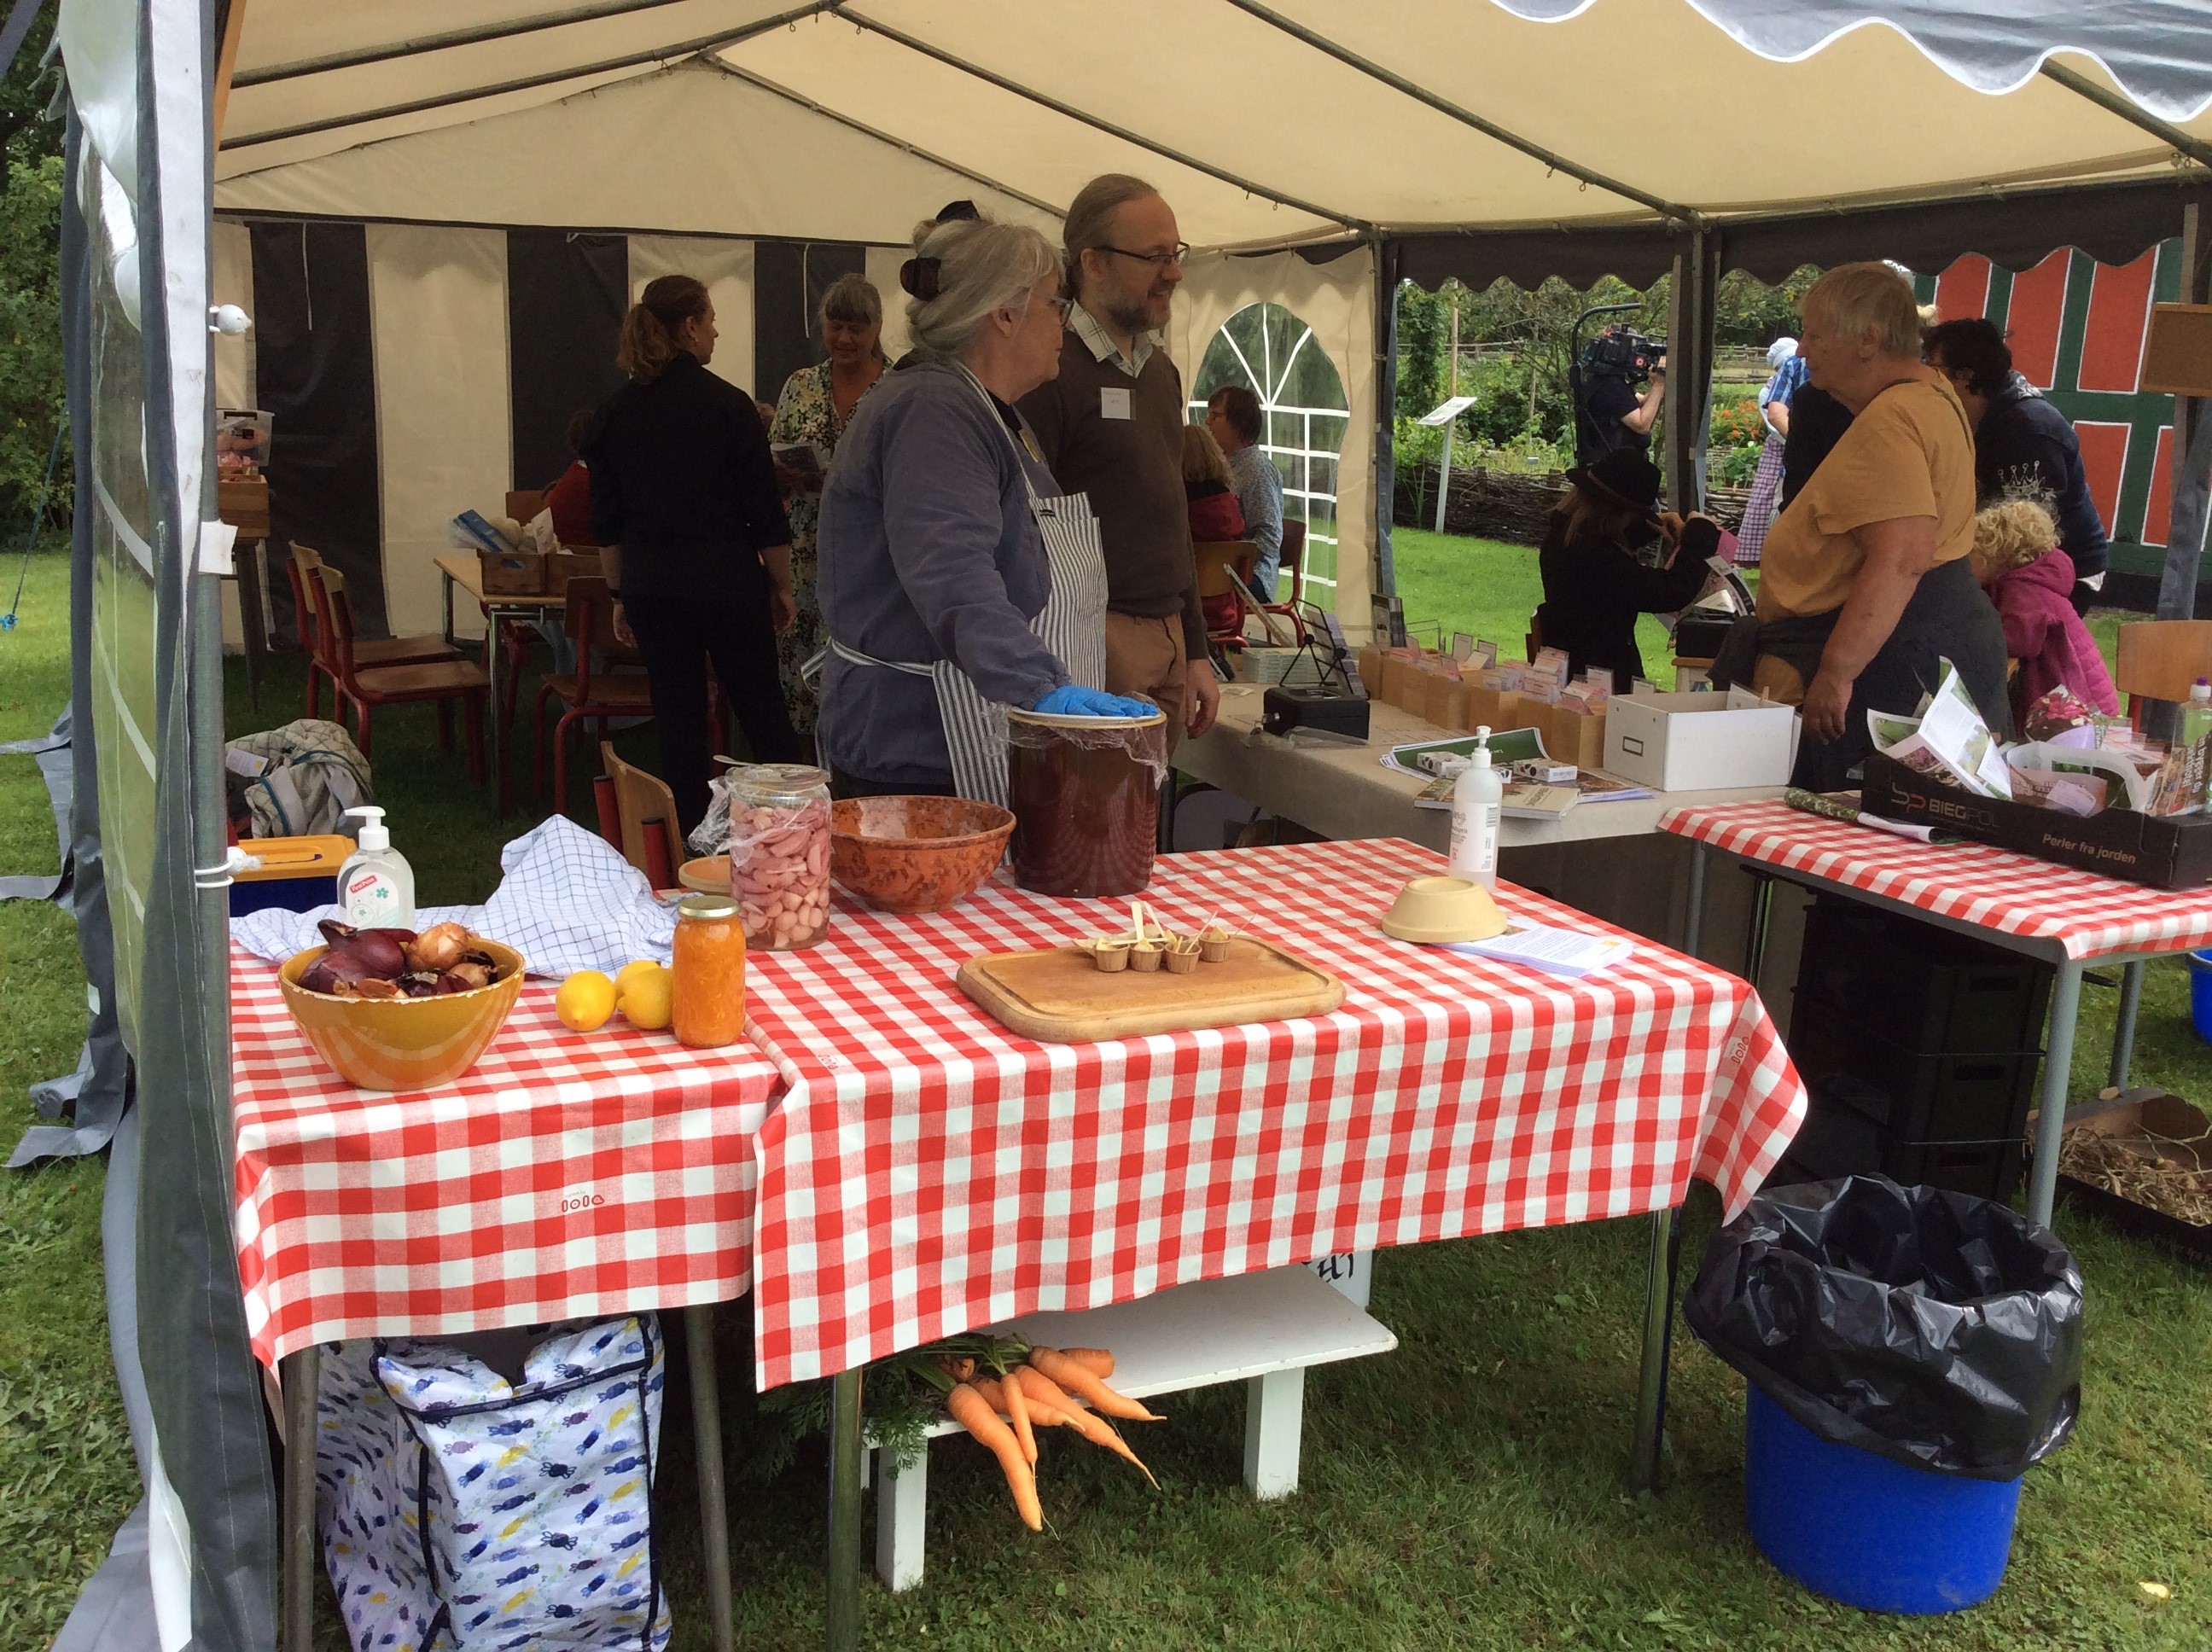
(317, 373)
(883, 268)
(789, 280)
(566, 295)
(445, 435)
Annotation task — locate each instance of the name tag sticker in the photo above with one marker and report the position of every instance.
(1113, 403)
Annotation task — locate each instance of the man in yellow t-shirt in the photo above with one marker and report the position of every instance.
(1864, 588)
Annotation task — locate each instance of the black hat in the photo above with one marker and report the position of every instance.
(1624, 476)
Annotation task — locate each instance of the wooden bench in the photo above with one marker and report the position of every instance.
(1262, 1329)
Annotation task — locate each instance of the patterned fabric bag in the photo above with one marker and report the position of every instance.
(458, 1511)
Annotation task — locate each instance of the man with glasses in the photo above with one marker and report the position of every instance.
(1111, 427)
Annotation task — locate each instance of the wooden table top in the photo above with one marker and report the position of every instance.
(468, 573)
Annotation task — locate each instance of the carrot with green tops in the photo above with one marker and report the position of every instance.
(994, 1396)
(1039, 1387)
(968, 1408)
(1073, 1376)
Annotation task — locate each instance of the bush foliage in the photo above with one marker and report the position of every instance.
(31, 394)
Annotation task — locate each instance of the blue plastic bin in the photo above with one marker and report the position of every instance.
(1866, 1531)
(2200, 993)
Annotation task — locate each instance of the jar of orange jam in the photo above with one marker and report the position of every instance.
(707, 998)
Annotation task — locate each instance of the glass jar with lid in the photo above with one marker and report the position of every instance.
(780, 854)
(706, 997)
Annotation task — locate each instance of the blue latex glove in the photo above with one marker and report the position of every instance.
(1070, 700)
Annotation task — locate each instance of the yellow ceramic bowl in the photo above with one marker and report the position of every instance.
(1443, 909)
(403, 1044)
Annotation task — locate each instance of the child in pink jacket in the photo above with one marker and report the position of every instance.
(2031, 582)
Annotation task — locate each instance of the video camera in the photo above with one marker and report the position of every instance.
(1620, 352)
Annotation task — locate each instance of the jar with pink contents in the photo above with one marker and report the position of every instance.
(780, 854)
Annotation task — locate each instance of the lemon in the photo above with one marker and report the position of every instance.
(643, 993)
(584, 1001)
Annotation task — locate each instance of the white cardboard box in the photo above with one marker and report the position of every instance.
(1700, 742)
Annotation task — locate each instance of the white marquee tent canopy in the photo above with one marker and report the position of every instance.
(1425, 138)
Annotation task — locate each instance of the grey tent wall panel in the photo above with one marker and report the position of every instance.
(566, 297)
(789, 279)
(316, 376)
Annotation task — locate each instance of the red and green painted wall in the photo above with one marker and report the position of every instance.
(2076, 330)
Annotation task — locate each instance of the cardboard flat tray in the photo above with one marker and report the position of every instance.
(2164, 851)
(1061, 997)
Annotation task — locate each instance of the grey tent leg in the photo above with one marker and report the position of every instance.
(714, 1499)
(1658, 1343)
(841, 1617)
(2123, 1023)
(301, 1376)
(2057, 1072)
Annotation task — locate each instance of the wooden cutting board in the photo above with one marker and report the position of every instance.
(1061, 997)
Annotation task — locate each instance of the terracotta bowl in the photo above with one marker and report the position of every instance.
(402, 1043)
(916, 855)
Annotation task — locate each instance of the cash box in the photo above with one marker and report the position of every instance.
(1342, 715)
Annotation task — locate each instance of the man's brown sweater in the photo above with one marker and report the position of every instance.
(1132, 469)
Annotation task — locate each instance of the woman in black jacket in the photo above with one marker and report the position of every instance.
(684, 485)
(1593, 585)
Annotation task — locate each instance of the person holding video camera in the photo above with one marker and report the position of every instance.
(1611, 415)
(1595, 583)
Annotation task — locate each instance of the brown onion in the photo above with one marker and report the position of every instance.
(439, 948)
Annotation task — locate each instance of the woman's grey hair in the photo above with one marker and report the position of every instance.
(975, 266)
(853, 299)
(1858, 299)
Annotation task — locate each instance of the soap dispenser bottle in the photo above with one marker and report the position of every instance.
(376, 886)
(1478, 798)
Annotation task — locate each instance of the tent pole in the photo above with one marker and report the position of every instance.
(1692, 298)
(1466, 117)
(226, 61)
(937, 54)
(1385, 407)
(2165, 131)
(1443, 469)
(653, 57)
(2192, 440)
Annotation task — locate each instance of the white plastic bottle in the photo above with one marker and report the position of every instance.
(1477, 798)
(376, 886)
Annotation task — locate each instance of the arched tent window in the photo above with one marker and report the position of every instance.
(1272, 353)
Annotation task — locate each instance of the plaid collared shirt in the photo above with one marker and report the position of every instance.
(1085, 326)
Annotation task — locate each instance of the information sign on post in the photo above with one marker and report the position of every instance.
(1447, 415)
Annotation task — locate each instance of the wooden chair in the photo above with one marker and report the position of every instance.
(523, 504)
(367, 653)
(646, 809)
(1291, 560)
(590, 693)
(1220, 597)
(366, 688)
(2159, 659)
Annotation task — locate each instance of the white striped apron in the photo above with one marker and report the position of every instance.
(1072, 623)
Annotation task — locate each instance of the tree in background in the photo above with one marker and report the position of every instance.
(1424, 331)
(31, 393)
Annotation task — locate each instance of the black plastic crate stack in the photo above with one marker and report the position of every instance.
(1919, 1048)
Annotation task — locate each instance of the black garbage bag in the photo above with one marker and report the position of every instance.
(1940, 1330)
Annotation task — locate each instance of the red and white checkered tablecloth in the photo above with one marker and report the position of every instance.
(2089, 916)
(565, 1175)
(929, 1171)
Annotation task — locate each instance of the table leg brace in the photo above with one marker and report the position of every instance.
(1658, 1345)
(841, 1615)
(2123, 1024)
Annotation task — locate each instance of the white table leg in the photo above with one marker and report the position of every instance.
(1274, 1411)
(900, 1505)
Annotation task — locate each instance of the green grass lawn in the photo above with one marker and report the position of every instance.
(1466, 1491)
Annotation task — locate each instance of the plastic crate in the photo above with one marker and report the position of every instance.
(1924, 988)
(1972, 1096)
(1836, 1140)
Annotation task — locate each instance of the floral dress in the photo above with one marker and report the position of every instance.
(806, 411)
